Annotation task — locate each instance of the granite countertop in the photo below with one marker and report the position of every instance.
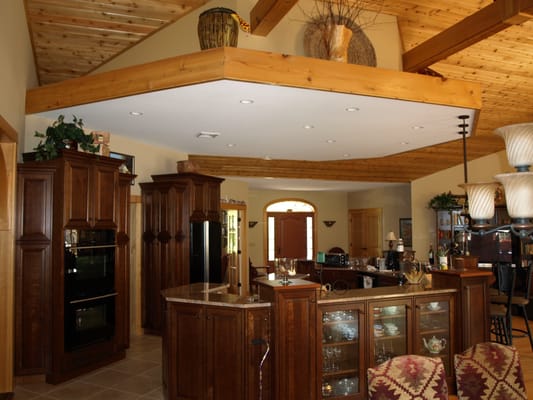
(210, 294)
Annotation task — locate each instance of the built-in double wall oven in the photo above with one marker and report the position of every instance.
(90, 294)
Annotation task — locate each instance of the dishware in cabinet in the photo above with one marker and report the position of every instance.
(434, 323)
(389, 330)
(341, 361)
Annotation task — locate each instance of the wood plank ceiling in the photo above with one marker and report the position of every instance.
(72, 37)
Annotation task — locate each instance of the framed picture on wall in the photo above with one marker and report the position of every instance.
(406, 231)
(129, 163)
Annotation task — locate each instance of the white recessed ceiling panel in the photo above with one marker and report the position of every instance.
(242, 119)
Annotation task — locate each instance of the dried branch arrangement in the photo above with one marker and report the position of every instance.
(344, 12)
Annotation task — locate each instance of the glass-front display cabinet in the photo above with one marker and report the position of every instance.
(341, 367)
(233, 244)
(434, 322)
(390, 324)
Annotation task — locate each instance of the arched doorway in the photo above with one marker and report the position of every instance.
(290, 230)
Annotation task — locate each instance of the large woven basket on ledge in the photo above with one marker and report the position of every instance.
(217, 28)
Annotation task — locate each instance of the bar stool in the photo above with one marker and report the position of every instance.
(509, 298)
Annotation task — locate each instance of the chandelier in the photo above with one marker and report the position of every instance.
(518, 186)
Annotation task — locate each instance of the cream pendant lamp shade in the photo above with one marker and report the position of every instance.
(481, 200)
(518, 144)
(518, 193)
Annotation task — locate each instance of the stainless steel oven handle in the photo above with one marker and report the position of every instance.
(105, 296)
(102, 246)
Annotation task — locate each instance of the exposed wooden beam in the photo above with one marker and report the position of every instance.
(404, 167)
(266, 14)
(258, 67)
(486, 22)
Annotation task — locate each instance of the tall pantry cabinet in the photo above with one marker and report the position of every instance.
(76, 191)
(175, 208)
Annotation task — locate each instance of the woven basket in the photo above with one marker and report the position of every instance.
(217, 28)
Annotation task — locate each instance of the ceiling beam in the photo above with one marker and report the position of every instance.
(266, 14)
(486, 22)
(400, 168)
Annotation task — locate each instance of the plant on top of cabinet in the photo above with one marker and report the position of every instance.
(63, 135)
(444, 201)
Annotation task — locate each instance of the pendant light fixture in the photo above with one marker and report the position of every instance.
(518, 186)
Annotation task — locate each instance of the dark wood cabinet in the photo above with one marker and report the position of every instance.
(294, 310)
(472, 305)
(210, 352)
(75, 191)
(170, 204)
(90, 194)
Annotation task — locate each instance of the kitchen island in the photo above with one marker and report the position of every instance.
(299, 342)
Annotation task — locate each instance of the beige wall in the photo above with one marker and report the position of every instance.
(17, 72)
(395, 202)
(422, 190)
(287, 37)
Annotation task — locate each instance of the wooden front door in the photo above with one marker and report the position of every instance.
(290, 234)
(365, 232)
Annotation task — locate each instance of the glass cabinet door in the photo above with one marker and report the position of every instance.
(433, 322)
(389, 325)
(341, 363)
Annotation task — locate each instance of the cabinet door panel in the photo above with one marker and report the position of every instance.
(105, 183)
(76, 195)
(224, 354)
(32, 312)
(434, 325)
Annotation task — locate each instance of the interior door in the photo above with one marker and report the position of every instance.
(365, 232)
(290, 237)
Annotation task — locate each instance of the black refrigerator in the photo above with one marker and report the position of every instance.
(206, 252)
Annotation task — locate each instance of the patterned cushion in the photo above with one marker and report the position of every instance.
(489, 371)
(408, 377)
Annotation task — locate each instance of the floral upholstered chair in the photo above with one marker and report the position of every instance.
(408, 377)
(489, 371)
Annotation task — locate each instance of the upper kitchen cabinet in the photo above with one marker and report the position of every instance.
(89, 192)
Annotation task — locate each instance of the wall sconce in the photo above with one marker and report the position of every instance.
(251, 224)
(329, 224)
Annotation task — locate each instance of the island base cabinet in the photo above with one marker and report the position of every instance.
(215, 352)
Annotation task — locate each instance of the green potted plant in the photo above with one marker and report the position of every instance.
(444, 201)
(63, 135)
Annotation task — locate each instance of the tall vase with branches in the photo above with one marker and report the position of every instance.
(337, 20)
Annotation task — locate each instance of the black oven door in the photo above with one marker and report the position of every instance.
(89, 271)
(89, 321)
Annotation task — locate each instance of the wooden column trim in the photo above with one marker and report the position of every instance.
(8, 163)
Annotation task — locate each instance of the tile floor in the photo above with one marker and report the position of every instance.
(136, 377)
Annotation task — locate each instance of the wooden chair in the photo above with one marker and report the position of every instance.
(489, 371)
(509, 297)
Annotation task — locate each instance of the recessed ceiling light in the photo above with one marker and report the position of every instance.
(246, 101)
(207, 135)
(231, 145)
(136, 113)
(308, 126)
(330, 141)
(346, 155)
(417, 127)
(267, 158)
(352, 109)
(404, 143)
